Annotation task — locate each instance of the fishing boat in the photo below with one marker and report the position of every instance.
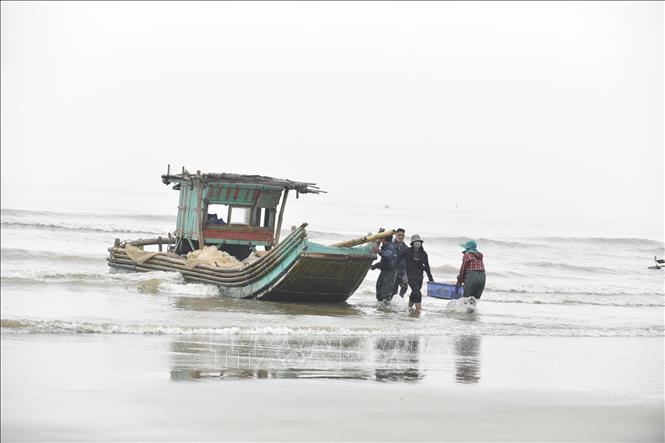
(660, 263)
(236, 215)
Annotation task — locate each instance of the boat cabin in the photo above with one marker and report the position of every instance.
(234, 212)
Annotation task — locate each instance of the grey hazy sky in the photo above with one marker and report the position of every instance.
(546, 107)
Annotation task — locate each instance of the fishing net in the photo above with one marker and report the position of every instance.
(137, 254)
(212, 256)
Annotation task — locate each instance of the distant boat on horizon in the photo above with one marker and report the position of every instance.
(659, 263)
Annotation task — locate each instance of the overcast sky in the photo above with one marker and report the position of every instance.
(546, 107)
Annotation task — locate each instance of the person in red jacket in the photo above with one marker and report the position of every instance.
(472, 271)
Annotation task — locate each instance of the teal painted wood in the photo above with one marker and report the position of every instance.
(329, 277)
(309, 272)
(323, 249)
(216, 241)
(301, 286)
(191, 216)
(192, 226)
(268, 199)
(242, 194)
(268, 279)
(296, 270)
(186, 222)
(245, 276)
(180, 219)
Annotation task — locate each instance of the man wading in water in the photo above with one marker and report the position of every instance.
(401, 282)
(387, 265)
(416, 262)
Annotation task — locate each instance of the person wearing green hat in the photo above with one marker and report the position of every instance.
(472, 271)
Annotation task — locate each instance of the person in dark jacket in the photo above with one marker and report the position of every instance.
(401, 281)
(417, 262)
(472, 271)
(388, 267)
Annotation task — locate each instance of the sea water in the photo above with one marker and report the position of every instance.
(545, 278)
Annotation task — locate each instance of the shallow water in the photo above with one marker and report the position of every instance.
(55, 278)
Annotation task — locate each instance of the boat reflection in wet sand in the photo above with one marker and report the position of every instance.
(394, 358)
(398, 358)
(208, 248)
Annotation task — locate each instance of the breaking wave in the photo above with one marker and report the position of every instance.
(603, 291)
(155, 282)
(86, 222)
(83, 228)
(563, 300)
(546, 242)
(26, 254)
(572, 267)
(21, 213)
(70, 327)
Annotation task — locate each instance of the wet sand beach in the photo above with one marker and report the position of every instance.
(456, 388)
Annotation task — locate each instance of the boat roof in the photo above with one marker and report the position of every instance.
(212, 178)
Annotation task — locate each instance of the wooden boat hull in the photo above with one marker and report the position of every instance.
(321, 278)
(296, 270)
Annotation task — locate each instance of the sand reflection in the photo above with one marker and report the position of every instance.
(467, 359)
(272, 357)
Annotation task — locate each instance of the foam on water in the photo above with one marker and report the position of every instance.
(456, 312)
(462, 306)
(84, 222)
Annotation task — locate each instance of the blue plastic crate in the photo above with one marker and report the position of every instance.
(446, 291)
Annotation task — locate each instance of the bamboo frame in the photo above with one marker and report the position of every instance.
(225, 277)
(364, 239)
(278, 229)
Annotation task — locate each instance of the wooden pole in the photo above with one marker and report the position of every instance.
(149, 241)
(364, 239)
(281, 215)
(199, 210)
